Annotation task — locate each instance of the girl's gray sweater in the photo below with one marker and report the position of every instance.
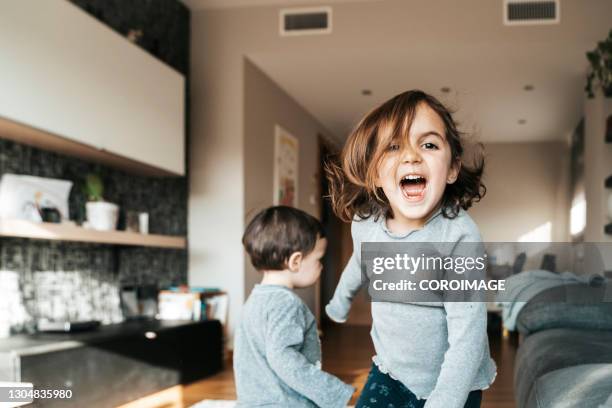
(439, 352)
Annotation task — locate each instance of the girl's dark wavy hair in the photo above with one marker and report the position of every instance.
(352, 176)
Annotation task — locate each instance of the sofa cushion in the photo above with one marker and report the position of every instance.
(550, 350)
(577, 306)
(585, 386)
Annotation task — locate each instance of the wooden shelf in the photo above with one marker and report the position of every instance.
(66, 232)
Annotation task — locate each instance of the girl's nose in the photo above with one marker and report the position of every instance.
(410, 155)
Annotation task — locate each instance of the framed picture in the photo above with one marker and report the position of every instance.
(286, 154)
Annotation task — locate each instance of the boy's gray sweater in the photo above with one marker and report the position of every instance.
(439, 352)
(277, 355)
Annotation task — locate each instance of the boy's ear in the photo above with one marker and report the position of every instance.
(453, 173)
(295, 261)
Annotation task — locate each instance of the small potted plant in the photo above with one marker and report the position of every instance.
(601, 68)
(101, 215)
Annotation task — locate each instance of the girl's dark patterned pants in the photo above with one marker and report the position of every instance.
(382, 391)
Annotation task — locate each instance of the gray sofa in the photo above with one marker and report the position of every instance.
(565, 359)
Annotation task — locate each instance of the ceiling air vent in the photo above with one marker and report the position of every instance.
(302, 21)
(532, 12)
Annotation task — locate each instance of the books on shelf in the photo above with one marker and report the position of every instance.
(193, 304)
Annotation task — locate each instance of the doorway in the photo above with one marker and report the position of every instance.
(339, 247)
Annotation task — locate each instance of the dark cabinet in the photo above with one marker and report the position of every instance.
(114, 368)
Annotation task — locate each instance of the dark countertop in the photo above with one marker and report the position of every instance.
(28, 344)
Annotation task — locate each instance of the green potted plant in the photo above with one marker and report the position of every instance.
(101, 215)
(600, 72)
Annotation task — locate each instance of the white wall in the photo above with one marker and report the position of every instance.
(527, 187)
(216, 197)
(265, 106)
(232, 144)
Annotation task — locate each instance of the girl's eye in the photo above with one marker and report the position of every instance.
(430, 146)
(394, 147)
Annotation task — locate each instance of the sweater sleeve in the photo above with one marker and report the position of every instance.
(350, 282)
(285, 334)
(467, 337)
(467, 330)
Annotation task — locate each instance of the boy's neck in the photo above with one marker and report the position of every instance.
(280, 278)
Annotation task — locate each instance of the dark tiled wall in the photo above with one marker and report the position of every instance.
(162, 29)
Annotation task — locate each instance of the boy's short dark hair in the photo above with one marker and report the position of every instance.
(277, 232)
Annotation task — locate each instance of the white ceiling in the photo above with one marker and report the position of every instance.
(215, 4)
(394, 45)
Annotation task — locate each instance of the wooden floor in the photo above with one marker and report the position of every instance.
(347, 353)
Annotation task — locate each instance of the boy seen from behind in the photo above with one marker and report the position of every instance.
(277, 354)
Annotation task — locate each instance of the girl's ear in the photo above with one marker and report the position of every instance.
(453, 173)
(295, 261)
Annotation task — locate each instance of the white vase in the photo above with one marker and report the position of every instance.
(102, 215)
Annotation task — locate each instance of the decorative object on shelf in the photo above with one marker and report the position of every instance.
(609, 129)
(101, 215)
(94, 188)
(141, 301)
(609, 182)
(608, 229)
(132, 221)
(50, 214)
(143, 223)
(24, 197)
(134, 35)
(193, 303)
(600, 72)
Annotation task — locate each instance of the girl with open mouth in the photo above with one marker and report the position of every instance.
(402, 178)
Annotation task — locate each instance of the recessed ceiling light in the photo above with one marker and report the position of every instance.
(445, 89)
(522, 121)
(528, 87)
(366, 92)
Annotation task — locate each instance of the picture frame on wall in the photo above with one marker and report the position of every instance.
(286, 161)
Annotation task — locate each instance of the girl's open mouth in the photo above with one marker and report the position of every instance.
(413, 187)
